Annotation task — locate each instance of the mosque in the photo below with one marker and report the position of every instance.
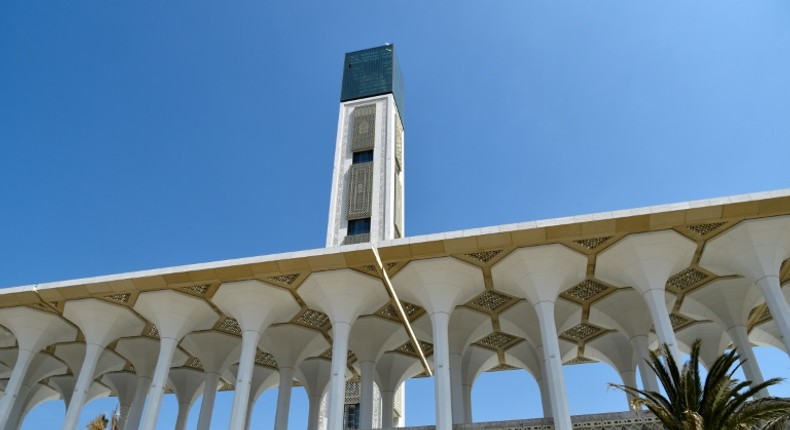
(352, 321)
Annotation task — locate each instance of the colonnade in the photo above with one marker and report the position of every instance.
(638, 265)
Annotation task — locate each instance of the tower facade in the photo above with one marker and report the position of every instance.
(367, 201)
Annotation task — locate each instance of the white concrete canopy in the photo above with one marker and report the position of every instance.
(315, 374)
(475, 361)
(142, 353)
(262, 379)
(43, 365)
(539, 274)
(175, 314)
(342, 295)
(439, 285)
(33, 330)
(645, 262)
(255, 305)
(625, 311)
(713, 339)
(465, 326)
(216, 352)
(101, 322)
(65, 386)
(290, 345)
(38, 394)
(755, 249)
(728, 303)
(525, 356)
(123, 385)
(614, 349)
(187, 383)
(481, 251)
(370, 338)
(392, 369)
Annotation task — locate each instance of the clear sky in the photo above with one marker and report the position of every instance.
(147, 134)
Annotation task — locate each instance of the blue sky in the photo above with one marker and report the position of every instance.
(146, 134)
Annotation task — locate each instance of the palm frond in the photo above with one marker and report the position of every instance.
(721, 402)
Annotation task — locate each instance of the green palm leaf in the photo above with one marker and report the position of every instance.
(721, 402)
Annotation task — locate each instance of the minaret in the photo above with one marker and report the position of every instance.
(367, 181)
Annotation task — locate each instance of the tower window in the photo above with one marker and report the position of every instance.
(362, 157)
(358, 226)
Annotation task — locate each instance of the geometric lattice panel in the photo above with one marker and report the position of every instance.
(592, 243)
(582, 332)
(353, 388)
(686, 278)
(389, 311)
(199, 290)
(120, 298)
(580, 360)
(312, 318)
(502, 366)
(765, 315)
(703, 230)
(491, 300)
(152, 332)
(265, 359)
(585, 290)
(408, 348)
(497, 340)
(283, 279)
(484, 256)
(678, 320)
(194, 363)
(230, 325)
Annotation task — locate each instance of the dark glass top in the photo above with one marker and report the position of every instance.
(373, 72)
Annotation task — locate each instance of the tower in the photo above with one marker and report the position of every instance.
(367, 182)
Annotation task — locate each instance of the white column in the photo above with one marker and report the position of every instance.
(629, 379)
(466, 390)
(337, 383)
(544, 398)
(456, 376)
(387, 405)
(207, 404)
(440, 322)
(19, 407)
(553, 366)
(167, 347)
(123, 412)
(183, 414)
(136, 411)
(248, 418)
(366, 394)
(646, 374)
(11, 392)
(92, 352)
(750, 366)
(776, 302)
(284, 398)
(656, 304)
(124, 384)
(315, 409)
(249, 347)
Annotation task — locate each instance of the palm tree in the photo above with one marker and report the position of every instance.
(99, 423)
(721, 403)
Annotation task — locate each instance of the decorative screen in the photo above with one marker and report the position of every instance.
(363, 125)
(360, 191)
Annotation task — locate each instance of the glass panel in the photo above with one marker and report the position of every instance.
(362, 157)
(372, 72)
(358, 226)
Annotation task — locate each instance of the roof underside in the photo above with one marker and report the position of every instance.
(699, 221)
